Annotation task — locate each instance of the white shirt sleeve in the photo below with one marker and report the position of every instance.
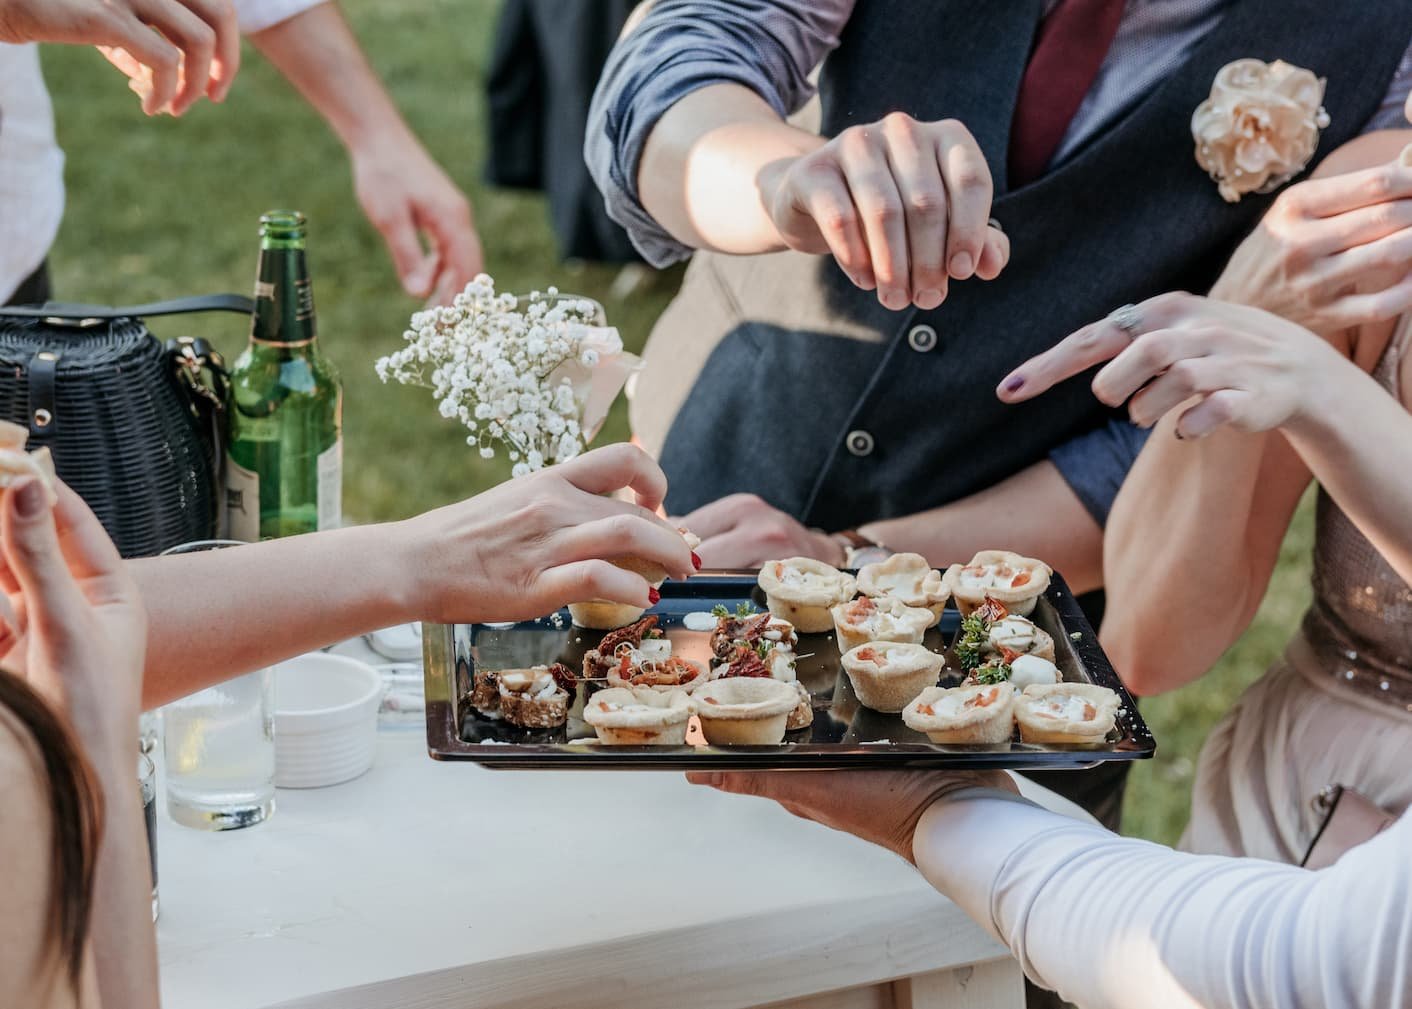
(1116, 923)
(257, 15)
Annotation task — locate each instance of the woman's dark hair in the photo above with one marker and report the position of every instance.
(76, 811)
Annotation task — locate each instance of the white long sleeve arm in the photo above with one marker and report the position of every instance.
(1115, 923)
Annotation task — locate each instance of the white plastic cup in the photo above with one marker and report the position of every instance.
(326, 719)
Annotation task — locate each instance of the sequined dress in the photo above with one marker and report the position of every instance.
(1337, 708)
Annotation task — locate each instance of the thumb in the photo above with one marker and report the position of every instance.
(31, 547)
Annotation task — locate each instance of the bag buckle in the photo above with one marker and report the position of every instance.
(194, 357)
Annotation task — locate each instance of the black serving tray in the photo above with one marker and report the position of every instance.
(844, 733)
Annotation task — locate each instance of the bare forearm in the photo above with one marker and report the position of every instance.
(220, 613)
(1357, 440)
(1034, 512)
(1192, 540)
(318, 53)
(706, 162)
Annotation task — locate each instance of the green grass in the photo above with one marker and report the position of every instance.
(159, 208)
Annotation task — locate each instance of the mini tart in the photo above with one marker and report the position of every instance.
(638, 717)
(603, 615)
(1019, 635)
(1016, 581)
(886, 675)
(866, 619)
(666, 674)
(982, 713)
(907, 578)
(532, 699)
(802, 590)
(1066, 713)
(744, 710)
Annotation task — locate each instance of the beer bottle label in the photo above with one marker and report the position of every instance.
(242, 502)
(331, 486)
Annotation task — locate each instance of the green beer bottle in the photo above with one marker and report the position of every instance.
(284, 464)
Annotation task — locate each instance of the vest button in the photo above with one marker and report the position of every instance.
(860, 443)
(922, 338)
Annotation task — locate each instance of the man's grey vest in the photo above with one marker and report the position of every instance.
(804, 358)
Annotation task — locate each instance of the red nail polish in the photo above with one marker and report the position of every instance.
(653, 596)
(695, 561)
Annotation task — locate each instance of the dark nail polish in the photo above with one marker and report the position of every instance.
(695, 561)
(654, 597)
(1178, 433)
(1014, 383)
(29, 499)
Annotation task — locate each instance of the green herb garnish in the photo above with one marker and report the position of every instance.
(993, 672)
(741, 612)
(971, 642)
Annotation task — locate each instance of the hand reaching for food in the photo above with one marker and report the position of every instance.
(902, 205)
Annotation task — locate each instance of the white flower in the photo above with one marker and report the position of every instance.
(520, 469)
(1260, 126)
(516, 372)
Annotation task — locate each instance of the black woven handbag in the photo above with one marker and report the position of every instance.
(136, 427)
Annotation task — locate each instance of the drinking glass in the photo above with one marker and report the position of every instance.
(219, 745)
(147, 780)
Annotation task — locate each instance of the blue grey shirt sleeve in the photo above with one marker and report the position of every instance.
(769, 46)
(1096, 463)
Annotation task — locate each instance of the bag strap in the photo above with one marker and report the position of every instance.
(71, 312)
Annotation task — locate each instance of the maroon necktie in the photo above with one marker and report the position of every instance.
(1073, 40)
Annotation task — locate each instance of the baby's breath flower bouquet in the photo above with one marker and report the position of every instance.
(534, 375)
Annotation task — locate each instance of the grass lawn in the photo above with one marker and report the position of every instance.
(159, 208)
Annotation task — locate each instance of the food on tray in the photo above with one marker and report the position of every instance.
(744, 710)
(973, 639)
(1033, 670)
(1066, 713)
(603, 615)
(485, 692)
(907, 578)
(803, 590)
(867, 619)
(886, 675)
(639, 656)
(1019, 635)
(638, 716)
(977, 713)
(15, 462)
(760, 645)
(1006, 577)
(536, 698)
(769, 638)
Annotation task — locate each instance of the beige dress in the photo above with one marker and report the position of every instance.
(1337, 708)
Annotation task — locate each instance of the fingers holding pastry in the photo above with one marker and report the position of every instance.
(595, 579)
(626, 535)
(617, 467)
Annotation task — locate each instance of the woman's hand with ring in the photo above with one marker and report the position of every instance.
(1220, 364)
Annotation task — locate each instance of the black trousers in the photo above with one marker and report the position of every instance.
(34, 289)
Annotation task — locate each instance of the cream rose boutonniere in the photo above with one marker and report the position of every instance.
(1260, 126)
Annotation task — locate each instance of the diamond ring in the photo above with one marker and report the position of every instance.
(1128, 319)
